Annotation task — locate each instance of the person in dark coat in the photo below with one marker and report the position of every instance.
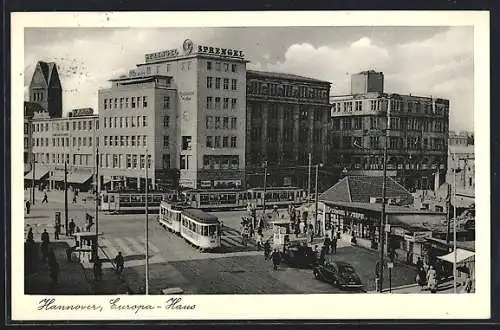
(327, 244)
(30, 235)
(57, 231)
(28, 206)
(419, 264)
(334, 245)
(120, 262)
(45, 200)
(275, 256)
(98, 269)
(71, 226)
(45, 244)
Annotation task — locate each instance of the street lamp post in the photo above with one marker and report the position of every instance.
(146, 225)
(265, 186)
(382, 217)
(33, 162)
(316, 199)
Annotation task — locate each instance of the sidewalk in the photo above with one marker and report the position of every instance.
(445, 287)
(73, 278)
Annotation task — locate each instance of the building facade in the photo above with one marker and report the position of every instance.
(72, 139)
(417, 145)
(286, 120)
(187, 106)
(461, 156)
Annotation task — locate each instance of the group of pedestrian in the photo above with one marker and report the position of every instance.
(426, 276)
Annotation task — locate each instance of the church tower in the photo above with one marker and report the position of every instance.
(45, 88)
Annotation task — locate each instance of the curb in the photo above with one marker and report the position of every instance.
(395, 288)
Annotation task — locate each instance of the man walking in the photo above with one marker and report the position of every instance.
(28, 206)
(57, 230)
(44, 200)
(334, 244)
(275, 256)
(267, 249)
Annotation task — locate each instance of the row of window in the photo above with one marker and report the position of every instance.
(399, 123)
(126, 141)
(64, 142)
(221, 162)
(215, 103)
(227, 142)
(215, 82)
(205, 230)
(136, 102)
(127, 161)
(77, 159)
(80, 125)
(222, 66)
(395, 143)
(221, 122)
(287, 136)
(283, 90)
(382, 105)
(125, 122)
(272, 113)
(37, 96)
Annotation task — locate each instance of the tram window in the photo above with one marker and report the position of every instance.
(124, 199)
(212, 230)
(112, 199)
(105, 198)
(204, 230)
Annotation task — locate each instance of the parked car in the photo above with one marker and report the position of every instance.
(338, 273)
(299, 255)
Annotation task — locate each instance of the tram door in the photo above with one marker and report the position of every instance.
(112, 202)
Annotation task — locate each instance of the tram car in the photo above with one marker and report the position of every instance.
(217, 199)
(131, 201)
(279, 196)
(170, 216)
(201, 229)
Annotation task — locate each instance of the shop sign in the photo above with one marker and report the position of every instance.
(220, 51)
(158, 56)
(398, 231)
(205, 184)
(409, 238)
(387, 228)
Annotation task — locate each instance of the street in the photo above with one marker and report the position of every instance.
(234, 269)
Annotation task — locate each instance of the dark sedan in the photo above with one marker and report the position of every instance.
(338, 273)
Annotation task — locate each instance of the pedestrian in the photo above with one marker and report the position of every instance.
(327, 242)
(57, 231)
(334, 245)
(45, 244)
(74, 198)
(259, 240)
(468, 284)
(419, 264)
(275, 256)
(422, 277)
(71, 226)
(297, 230)
(45, 200)
(119, 262)
(302, 227)
(267, 250)
(78, 229)
(28, 206)
(30, 235)
(98, 269)
(69, 252)
(431, 279)
(322, 254)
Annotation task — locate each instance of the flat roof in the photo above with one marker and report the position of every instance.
(373, 207)
(201, 216)
(281, 75)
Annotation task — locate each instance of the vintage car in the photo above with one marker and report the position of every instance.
(338, 273)
(299, 255)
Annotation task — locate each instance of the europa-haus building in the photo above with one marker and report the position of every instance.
(184, 110)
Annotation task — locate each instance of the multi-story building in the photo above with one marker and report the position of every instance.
(417, 145)
(461, 156)
(185, 109)
(71, 140)
(30, 108)
(286, 120)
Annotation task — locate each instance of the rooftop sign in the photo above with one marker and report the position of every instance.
(188, 48)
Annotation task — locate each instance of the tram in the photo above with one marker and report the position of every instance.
(200, 229)
(280, 196)
(129, 201)
(170, 216)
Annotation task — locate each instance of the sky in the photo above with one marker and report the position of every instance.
(424, 61)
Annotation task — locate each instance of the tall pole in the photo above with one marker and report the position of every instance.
(146, 225)
(455, 230)
(264, 196)
(66, 195)
(382, 217)
(316, 199)
(33, 183)
(309, 179)
(96, 183)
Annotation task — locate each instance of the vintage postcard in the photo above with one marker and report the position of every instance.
(250, 165)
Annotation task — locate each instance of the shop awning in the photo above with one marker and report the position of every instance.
(462, 256)
(39, 173)
(79, 177)
(57, 176)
